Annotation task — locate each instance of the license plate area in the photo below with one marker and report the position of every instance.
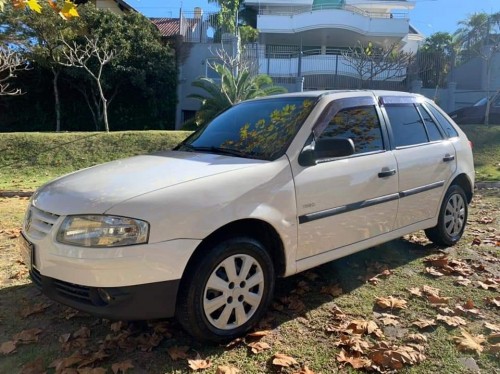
(27, 252)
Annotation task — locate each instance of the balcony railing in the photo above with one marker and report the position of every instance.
(284, 11)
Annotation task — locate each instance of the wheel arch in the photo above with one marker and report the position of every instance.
(253, 228)
(463, 181)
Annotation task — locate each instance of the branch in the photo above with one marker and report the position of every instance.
(10, 64)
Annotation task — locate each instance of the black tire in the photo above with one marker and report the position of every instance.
(216, 301)
(452, 218)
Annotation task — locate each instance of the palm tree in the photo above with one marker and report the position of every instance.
(232, 89)
(473, 31)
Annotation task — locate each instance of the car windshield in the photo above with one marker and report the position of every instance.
(260, 129)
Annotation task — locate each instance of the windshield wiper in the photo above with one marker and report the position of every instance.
(218, 150)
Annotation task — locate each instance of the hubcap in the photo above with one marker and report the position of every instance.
(454, 215)
(233, 292)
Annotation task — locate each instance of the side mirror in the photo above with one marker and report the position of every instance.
(325, 149)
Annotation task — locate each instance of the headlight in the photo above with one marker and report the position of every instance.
(102, 231)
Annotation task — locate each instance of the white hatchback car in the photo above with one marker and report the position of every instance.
(269, 188)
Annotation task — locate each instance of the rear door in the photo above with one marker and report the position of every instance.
(345, 200)
(426, 158)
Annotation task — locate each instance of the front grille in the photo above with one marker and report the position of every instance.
(38, 223)
(73, 291)
(65, 290)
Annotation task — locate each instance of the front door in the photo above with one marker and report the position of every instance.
(346, 200)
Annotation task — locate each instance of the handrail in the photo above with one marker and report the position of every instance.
(319, 8)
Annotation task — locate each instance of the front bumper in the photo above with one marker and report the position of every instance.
(145, 301)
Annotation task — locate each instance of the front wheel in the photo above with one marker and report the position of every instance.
(227, 291)
(452, 218)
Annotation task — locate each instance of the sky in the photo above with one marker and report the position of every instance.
(428, 16)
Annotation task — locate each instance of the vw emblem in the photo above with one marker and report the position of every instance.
(28, 220)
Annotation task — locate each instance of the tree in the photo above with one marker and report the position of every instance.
(436, 59)
(45, 33)
(227, 17)
(10, 63)
(473, 32)
(92, 57)
(373, 62)
(237, 83)
(67, 10)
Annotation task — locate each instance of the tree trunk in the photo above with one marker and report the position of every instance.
(57, 103)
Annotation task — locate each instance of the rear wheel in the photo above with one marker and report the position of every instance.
(227, 291)
(452, 218)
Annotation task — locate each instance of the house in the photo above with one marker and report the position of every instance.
(302, 43)
(306, 40)
(115, 6)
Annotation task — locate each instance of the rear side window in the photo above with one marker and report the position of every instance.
(445, 124)
(361, 124)
(431, 127)
(406, 124)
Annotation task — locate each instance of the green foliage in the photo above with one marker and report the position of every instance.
(232, 89)
(436, 59)
(248, 34)
(141, 81)
(228, 14)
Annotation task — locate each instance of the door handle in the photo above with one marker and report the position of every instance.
(386, 173)
(448, 158)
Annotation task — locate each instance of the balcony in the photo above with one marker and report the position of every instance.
(352, 23)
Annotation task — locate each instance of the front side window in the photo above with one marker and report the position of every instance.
(407, 126)
(261, 129)
(361, 124)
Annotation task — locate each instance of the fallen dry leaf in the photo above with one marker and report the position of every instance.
(259, 334)
(34, 309)
(361, 326)
(395, 357)
(27, 336)
(122, 367)
(415, 291)
(258, 347)
(423, 323)
(283, 360)
(61, 364)
(177, 353)
(461, 281)
(439, 261)
(91, 371)
(199, 363)
(356, 361)
(493, 301)
(391, 302)
(304, 370)
(430, 291)
(355, 343)
(494, 348)
(33, 367)
(7, 348)
(82, 332)
(224, 369)
(389, 319)
(332, 290)
(492, 326)
(438, 300)
(468, 342)
(489, 283)
(454, 321)
(432, 271)
(420, 338)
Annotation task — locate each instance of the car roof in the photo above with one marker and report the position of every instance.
(351, 93)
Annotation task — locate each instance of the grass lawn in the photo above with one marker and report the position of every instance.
(326, 320)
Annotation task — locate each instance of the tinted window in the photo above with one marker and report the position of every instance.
(406, 124)
(261, 129)
(432, 129)
(445, 124)
(361, 124)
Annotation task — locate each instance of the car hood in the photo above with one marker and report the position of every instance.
(95, 190)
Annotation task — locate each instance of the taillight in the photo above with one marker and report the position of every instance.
(471, 144)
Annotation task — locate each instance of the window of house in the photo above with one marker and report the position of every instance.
(445, 124)
(361, 124)
(407, 126)
(432, 129)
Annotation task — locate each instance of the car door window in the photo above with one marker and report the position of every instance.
(361, 124)
(407, 126)
(432, 128)
(445, 124)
